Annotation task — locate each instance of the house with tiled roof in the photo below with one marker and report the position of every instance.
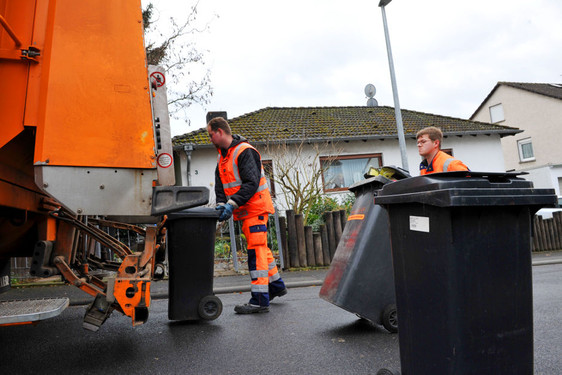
(360, 137)
(536, 109)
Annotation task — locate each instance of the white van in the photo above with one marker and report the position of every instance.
(546, 213)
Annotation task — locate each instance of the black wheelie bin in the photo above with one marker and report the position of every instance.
(461, 248)
(191, 254)
(360, 279)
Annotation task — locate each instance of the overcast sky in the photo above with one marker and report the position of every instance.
(448, 55)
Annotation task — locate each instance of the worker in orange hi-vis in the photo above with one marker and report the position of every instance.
(434, 160)
(242, 192)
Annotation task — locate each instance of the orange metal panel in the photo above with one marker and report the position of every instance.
(17, 180)
(17, 16)
(48, 229)
(94, 105)
(35, 69)
(16, 197)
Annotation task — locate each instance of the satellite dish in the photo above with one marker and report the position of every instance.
(372, 102)
(370, 90)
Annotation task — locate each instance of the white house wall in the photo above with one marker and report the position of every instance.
(203, 164)
(548, 177)
(479, 153)
(539, 116)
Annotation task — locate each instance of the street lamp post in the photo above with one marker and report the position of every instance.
(398, 113)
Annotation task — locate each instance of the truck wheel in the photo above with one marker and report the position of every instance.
(210, 307)
(390, 318)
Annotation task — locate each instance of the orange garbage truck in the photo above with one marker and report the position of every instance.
(84, 148)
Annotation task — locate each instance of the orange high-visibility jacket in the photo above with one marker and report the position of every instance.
(442, 162)
(260, 203)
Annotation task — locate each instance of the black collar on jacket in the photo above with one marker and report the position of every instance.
(236, 140)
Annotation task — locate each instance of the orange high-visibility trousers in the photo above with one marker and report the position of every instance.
(261, 264)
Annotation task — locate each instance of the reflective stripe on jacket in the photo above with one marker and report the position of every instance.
(260, 202)
(442, 162)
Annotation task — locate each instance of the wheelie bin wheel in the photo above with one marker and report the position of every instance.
(210, 307)
(390, 318)
(384, 371)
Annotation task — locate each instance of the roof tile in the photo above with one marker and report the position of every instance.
(294, 124)
(553, 90)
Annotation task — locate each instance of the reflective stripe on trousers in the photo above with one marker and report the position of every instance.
(261, 263)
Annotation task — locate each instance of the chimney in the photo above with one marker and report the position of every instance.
(212, 115)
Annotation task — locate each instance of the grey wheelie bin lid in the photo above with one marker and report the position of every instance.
(466, 188)
(371, 184)
(195, 212)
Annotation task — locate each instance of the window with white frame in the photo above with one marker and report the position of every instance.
(496, 113)
(525, 147)
(340, 173)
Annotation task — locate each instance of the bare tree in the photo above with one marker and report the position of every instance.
(299, 172)
(189, 81)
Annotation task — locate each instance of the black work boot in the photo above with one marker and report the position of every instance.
(280, 293)
(250, 309)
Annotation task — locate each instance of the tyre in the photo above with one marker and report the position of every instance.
(390, 319)
(210, 308)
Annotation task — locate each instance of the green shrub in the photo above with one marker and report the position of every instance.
(222, 247)
(348, 202)
(324, 204)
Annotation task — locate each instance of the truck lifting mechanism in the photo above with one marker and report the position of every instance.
(85, 150)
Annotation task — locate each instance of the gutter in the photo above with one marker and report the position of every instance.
(501, 133)
(188, 148)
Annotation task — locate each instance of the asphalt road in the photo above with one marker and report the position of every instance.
(547, 302)
(301, 335)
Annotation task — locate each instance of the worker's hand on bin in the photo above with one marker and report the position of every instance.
(226, 211)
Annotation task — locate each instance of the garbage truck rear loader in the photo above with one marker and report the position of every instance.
(84, 146)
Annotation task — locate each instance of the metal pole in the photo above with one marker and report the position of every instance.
(233, 244)
(398, 113)
(279, 244)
